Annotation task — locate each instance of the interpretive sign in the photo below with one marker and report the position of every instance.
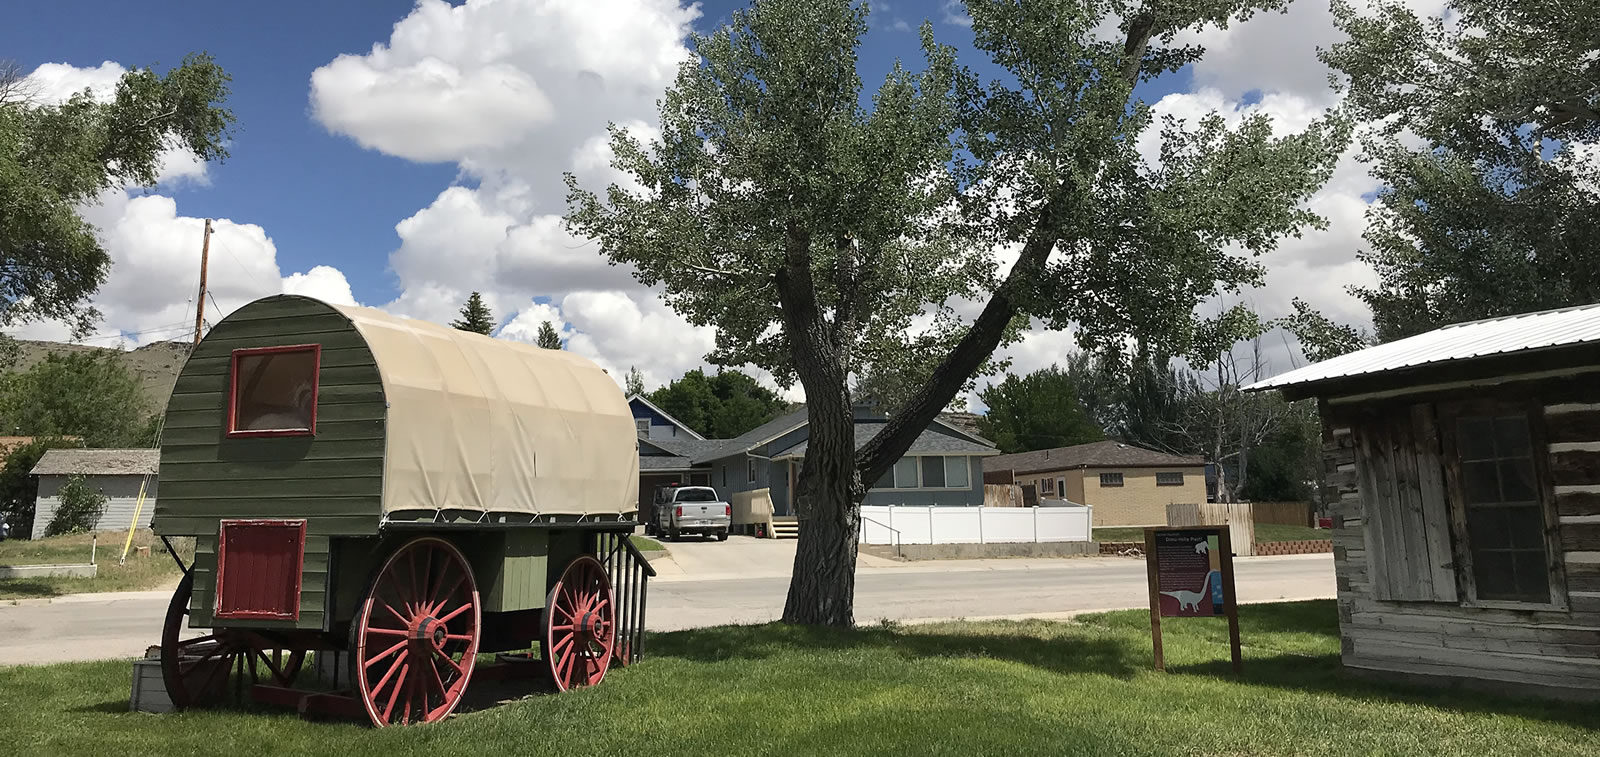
(1191, 575)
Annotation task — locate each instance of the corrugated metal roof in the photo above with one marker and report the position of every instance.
(1461, 341)
(98, 462)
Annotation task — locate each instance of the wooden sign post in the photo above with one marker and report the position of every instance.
(1191, 575)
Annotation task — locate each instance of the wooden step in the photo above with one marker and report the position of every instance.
(785, 527)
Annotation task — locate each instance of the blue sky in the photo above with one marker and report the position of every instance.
(324, 199)
(321, 177)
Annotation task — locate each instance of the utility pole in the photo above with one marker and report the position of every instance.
(200, 301)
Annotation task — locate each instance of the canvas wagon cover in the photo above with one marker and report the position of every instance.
(495, 426)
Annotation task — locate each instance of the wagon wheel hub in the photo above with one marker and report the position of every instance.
(588, 625)
(428, 631)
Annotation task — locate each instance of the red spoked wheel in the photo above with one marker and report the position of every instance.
(220, 666)
(415, 637)
(580, 625)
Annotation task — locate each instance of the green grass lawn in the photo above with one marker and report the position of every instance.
(1264, 532)
(152, 571)
(1001, 688)
(646, 544)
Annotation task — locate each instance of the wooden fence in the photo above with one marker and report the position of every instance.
(1237, 516)
(1283, 513)
(1002, 495)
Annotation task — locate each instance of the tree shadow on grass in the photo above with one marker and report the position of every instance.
(24, 588)
(1326, 674)
(1061, 655)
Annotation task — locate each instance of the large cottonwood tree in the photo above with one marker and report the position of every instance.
(1497, 210)
(813, 232)
(57, 157)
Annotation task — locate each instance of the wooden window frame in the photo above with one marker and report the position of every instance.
(1448, 413)
(1119, 480)
(233, 389)
(1179, 482)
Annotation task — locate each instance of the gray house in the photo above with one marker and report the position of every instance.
(943, 467)
(117, 473)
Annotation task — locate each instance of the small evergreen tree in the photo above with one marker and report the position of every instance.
(548, 338)
(635, 381)
(475, 316)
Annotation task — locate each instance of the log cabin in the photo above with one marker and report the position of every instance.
(1463, 465)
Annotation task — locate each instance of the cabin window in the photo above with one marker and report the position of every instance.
(1501, 510)
(1111, 479)
(1169, 479)
(642, 425)
(1047, 486)
(274, 391)
(750, 468)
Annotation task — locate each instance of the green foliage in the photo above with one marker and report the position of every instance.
(548, 338)
(1140, 399)
(635, 382)
(19, 489)
(1285, 466)
(1321, 338)
(475, 316)
(1041, 410)
(79, 510)
(54, 159)
(1499, 211)
(90, 395)
(721, 406)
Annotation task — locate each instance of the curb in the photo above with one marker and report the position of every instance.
(1070, 614)
(108, 596)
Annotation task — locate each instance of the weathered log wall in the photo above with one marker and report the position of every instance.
(1389, 630)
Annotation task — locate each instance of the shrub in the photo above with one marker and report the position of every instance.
(18, 487)
(80, 509)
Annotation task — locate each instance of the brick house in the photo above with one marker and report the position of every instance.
(1126, 485)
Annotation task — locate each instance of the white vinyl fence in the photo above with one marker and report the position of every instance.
(890, 524)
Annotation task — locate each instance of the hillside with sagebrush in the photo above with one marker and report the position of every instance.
(155, 365)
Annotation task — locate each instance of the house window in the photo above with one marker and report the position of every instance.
(750, 468)
(932, 472)
(905, 473)
(1500, 508)
(1169, 479)
(1111, 479)
(643, 425)
(273, 391)
(724, 476)
(1047, 486)
(956, 473)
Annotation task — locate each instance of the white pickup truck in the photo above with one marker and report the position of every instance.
(691, 510)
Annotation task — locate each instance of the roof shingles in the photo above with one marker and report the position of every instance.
(1107, 454)
(98, 462)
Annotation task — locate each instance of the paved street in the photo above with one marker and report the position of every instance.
(95, 627)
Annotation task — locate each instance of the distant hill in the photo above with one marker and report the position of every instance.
(156, 364)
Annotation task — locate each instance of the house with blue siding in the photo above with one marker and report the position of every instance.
(944, 466)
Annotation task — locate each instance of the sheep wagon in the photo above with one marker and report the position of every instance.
(400, 497)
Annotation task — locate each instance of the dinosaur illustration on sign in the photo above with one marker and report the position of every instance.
(1187, 600)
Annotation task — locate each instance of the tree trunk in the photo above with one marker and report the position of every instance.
(823, 585)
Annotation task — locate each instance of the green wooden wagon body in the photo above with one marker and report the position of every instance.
(314, 451)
